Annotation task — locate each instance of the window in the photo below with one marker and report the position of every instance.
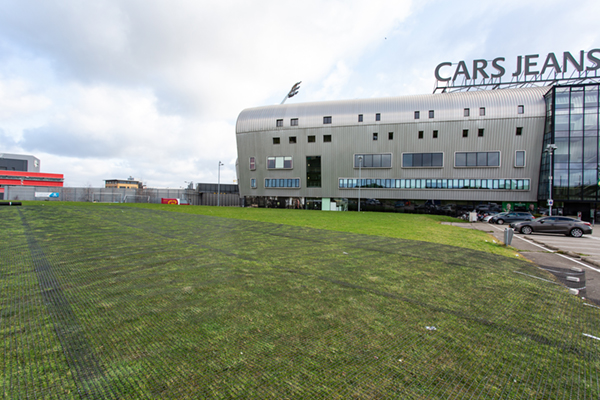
(311, 138)
(252, 163)
(276, 140)
(313, 171)
(482, 184)
(482, 111)
(465, 133)
(374, 135)
(467, 112)
(417, 160)
(520, 158)
(417, 114)
(435, 134)
(378, 117)
(326, 120)
(279, 123)
(480, 132)
(293, 183)
(519, 131)
(373, 160)
(390, 135)
(294, 122)
(253, 183)
(420, 134)
(360, 118)
(477, 159)
(326, 138)
(431, 113)
(279, 162)
(520, 109)
(292, 139)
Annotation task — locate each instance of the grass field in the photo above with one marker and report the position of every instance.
(110, 301)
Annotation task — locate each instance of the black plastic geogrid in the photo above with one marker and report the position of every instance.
(118, 302)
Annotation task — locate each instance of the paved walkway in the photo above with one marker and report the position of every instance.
(554, 251)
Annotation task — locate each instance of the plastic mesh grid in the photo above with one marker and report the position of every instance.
(114, 302)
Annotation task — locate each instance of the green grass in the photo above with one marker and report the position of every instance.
(422, 227)
(132, 302)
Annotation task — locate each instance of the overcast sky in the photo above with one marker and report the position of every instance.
(152, 89)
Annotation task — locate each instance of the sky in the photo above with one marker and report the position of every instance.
(152, 89)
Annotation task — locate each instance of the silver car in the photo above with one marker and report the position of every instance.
(565, 225)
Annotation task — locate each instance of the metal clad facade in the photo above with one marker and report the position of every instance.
(257, 127)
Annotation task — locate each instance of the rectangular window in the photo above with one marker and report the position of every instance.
(420, 134)
(374, 135)
(279, 123)
(279, 162)
(417, 114)
(253, 183)
(313, 171)
(292, 139)
(477, 159)
(417, 160)
(467, 112)
(520, 109)
(520, 158)
(373, 160)
(311, 138)
(252, 163)
(435, 134)
(377, 117)
(292, 183)
(326, 138)
(519, 131)
(326, 120)
(431, 113)
(276, 140)
(390, 135)
(465, 133)
(360, 118)
(480, 132)
(482, 111)
(294, 122)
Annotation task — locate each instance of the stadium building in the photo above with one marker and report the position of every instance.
(445, 149)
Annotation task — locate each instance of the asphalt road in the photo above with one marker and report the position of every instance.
(557, 252)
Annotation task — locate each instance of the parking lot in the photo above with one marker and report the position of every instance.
(556, 251)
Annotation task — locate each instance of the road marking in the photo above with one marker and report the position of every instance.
(551, 251)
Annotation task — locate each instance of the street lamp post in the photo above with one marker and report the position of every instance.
(219, 184)
(360, 158)
(550, 149)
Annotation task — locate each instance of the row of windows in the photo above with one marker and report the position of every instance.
(373, 160)
(421, 134)
(281, 183)
(328, 119)
(492, 184)
(351, 183)
(477, 159)
(410, 160)
(279, 162)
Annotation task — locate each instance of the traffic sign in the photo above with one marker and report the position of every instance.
(550, 202)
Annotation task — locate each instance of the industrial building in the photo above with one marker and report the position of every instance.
(465, 147)
(24, 170)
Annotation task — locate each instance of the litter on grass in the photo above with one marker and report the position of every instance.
(431, 328)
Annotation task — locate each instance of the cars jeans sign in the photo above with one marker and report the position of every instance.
(528, 65)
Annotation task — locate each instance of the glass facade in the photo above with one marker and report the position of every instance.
(572, 125)
(488, 184)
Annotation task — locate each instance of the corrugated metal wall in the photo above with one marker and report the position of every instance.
(256, 129)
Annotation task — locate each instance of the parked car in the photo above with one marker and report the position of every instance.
(510, 217)
(565, 225)
(489, 216)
